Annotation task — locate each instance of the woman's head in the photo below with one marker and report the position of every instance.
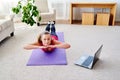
(45, 38)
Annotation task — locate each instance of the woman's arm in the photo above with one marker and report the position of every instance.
(59, 44)
(33, 46)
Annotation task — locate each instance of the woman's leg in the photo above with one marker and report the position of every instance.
(53, 30)
(48, 27)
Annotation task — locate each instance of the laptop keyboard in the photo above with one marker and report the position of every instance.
(88, 61)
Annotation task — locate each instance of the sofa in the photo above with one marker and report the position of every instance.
(47, 13)
(6, 26)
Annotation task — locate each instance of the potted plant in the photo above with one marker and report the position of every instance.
(29, 11)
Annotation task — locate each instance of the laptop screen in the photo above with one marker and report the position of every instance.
(97, 54)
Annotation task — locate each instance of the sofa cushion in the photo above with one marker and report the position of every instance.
(2, 17)
(42, 5)
(4, 23)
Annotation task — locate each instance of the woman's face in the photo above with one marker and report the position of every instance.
(46, 39)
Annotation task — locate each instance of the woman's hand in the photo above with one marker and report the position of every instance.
(51, 46)
(42, 47)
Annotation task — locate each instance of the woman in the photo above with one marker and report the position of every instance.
(48, 40)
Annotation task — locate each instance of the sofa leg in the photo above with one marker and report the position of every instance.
(38, 24)
(12, 34)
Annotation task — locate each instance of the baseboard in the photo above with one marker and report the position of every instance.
(67, 21)
(62, 21)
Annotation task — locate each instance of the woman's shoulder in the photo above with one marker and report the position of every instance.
(54, 41)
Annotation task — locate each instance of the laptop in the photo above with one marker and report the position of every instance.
(88, 61)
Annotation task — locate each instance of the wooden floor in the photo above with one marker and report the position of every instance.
(117, 23)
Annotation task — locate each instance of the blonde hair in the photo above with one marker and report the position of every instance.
(40, 36)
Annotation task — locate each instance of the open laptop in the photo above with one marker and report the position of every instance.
(88, 61)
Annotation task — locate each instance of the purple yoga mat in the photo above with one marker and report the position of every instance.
(57, 57)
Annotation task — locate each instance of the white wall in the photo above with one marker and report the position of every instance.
(6, 6)
(118, 10)
(63, 8)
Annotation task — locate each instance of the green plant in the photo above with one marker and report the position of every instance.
(29, 11)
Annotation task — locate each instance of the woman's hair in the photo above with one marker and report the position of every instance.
(40, 36)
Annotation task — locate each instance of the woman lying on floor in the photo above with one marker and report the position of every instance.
(48, 41)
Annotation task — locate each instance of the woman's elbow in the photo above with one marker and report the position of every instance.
(68, 46)
(26, 47)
